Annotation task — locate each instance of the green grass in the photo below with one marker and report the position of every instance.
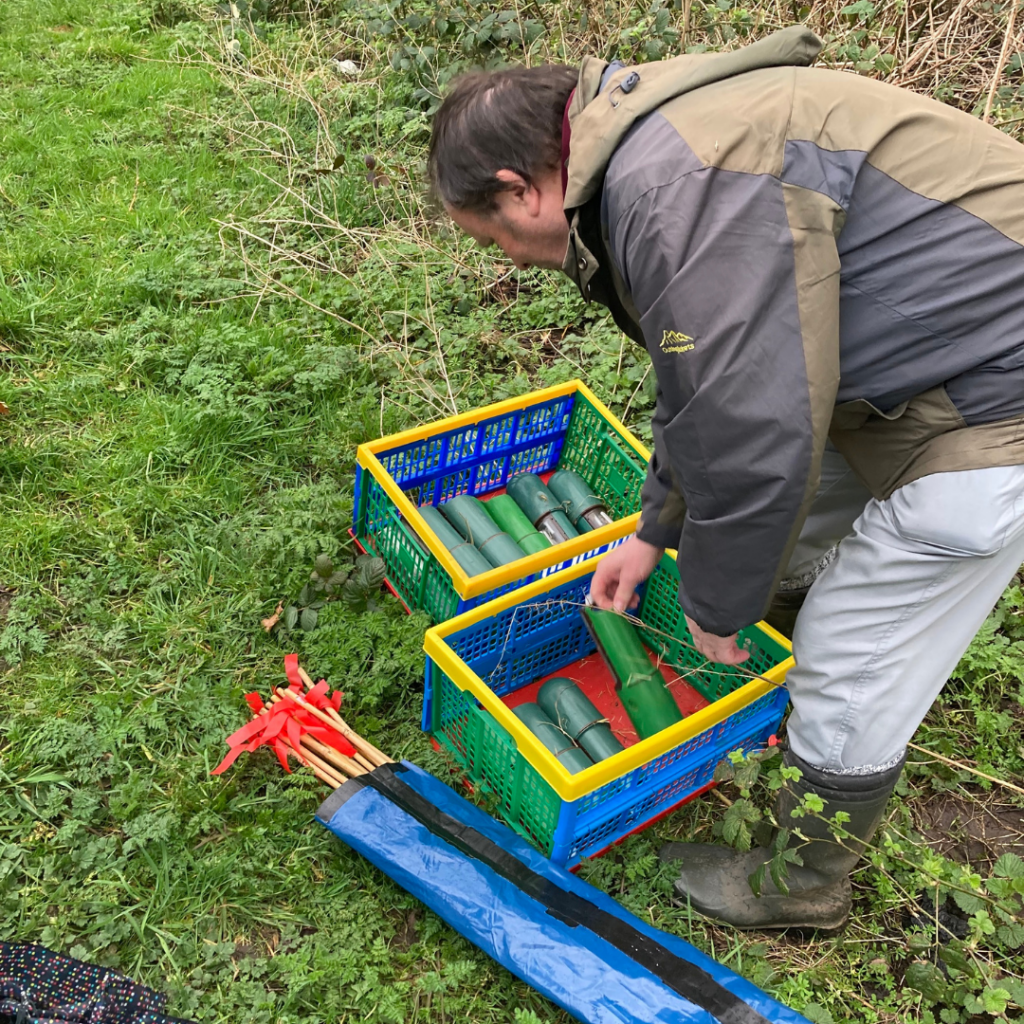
(179, 447)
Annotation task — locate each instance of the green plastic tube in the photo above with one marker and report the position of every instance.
(468, 515)
(572, 711)
(510, 517)
(542, 508)
(569, 755)
(585, 509)
(462, 551)
(640, 685)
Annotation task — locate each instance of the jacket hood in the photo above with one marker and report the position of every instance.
(599, 122)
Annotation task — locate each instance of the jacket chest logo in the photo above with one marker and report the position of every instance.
(676, 341)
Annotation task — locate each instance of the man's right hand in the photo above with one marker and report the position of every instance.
(621, 571)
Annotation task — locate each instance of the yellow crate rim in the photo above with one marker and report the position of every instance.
(566, 785)
(473, 586)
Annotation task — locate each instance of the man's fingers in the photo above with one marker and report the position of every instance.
(625, 595)
(603, 586)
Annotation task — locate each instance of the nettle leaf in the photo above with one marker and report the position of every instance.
(1009, 865)
(756, 879)
(735, 822)
(927, 979)
(952, 956)
(967, 903)
(994, 1000)
(370, 572)
(746, 775)
(1015, 988)
(779, 870)
(1011, 935)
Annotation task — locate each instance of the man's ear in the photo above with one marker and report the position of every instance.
(520, 190)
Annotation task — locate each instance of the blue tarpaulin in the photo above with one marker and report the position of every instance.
(563, 937)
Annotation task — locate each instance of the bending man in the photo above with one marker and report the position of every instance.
(828, 274)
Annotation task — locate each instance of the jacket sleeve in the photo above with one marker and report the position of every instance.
(736, 279)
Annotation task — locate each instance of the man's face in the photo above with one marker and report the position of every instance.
(529, 225)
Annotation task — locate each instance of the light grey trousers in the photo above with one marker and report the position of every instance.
(887, 620)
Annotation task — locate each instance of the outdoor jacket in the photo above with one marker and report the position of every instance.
(806, 254)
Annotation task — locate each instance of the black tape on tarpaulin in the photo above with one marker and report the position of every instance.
(563, 937)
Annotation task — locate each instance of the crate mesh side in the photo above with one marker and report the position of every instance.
(661, 794)
(594, 450)
(666, 632)
(493, 762)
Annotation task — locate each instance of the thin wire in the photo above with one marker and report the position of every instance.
(706, 665)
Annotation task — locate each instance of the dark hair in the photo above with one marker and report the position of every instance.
(497, 120)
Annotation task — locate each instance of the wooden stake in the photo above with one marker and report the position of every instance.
(361, 761)
(364, 747)
(328, 753)
(345, 727)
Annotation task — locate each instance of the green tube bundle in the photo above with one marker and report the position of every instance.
(585, 509)
(542, 508)
(640, 685)
(510, 517)
(569, 755)
(469, 516)
(462, 551)
(572, 711)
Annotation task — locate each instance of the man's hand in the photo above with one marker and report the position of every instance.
(621, 571)
(723, 650)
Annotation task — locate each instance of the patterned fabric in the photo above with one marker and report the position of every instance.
(38, 986)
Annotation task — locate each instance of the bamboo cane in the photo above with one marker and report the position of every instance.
(346, 764)
(372, 752)
(368, 749)
(361, 762)
(323, 771)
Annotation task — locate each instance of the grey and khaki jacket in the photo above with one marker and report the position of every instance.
(807, 255)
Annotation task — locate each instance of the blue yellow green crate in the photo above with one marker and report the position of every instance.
(475, 453)
(491, 651)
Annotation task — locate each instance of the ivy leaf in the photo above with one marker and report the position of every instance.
(927, 979)
(308, 619)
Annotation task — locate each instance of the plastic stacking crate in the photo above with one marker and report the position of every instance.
(476, 453)
(492, 651)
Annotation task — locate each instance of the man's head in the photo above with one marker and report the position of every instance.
(495, 157)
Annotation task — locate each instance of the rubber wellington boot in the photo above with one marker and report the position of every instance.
(715, 879)
(784, 609)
